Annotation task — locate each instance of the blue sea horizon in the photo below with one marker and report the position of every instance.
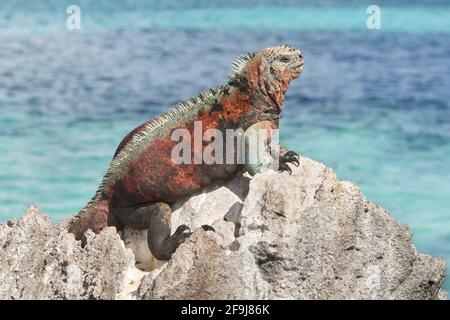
(374, 105)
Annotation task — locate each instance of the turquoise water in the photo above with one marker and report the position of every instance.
(372, 104)
(97, 16)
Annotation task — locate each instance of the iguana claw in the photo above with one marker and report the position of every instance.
(207, 227)
(288, 157)
(182, 233)
(285, 167)
(291, 157)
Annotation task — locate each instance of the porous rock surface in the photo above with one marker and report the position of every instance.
(278, 236)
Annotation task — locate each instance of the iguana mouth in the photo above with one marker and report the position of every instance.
(298, 70)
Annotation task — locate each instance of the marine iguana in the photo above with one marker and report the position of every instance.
(142, 179)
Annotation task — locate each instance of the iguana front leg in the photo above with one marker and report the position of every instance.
(262, 150)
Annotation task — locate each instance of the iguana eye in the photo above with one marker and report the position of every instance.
(285, 59)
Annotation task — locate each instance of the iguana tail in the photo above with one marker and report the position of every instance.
(94, 216)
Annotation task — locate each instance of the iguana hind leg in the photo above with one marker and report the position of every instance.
(156, 217)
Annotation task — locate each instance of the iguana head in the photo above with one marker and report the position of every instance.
(264, 76)
(280, 61)
(284, 59)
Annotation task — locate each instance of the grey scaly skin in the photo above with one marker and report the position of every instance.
(142, 179)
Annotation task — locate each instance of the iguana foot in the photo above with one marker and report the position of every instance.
(181, 234)
(285, 157)
(207, 227)
(290, 157)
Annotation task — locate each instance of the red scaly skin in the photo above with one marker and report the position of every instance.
(153, 176)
